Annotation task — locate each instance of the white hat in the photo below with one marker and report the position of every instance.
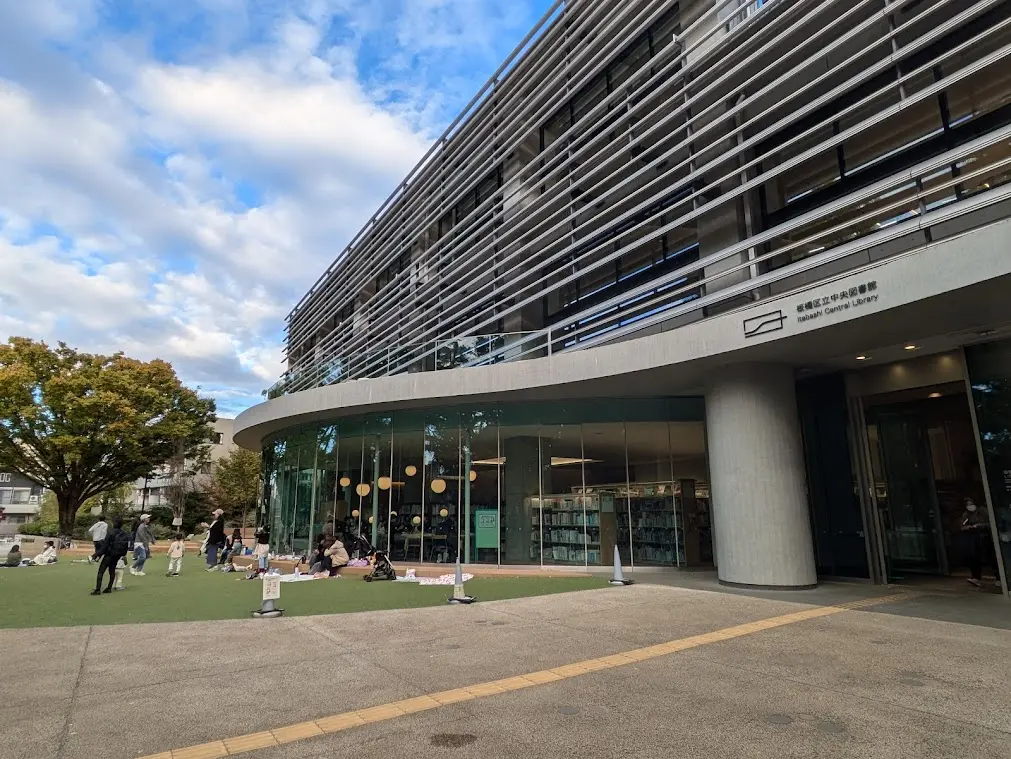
(217, 512)
(145, 516)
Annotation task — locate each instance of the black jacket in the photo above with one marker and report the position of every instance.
(116, 544)
(216, 535)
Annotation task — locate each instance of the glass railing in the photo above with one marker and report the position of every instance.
(451, 353)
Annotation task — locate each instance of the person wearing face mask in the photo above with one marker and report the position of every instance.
(976, 528)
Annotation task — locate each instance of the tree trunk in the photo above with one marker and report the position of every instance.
(68, 505)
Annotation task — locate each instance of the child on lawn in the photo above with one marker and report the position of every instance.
(120, 571)
(261, 553)
(175, 554)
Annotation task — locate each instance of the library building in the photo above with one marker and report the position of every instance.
(720, 283)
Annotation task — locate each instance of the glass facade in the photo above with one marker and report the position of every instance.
(545, 483)
(989, 368)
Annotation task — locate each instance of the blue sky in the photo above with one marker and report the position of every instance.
(175, 173)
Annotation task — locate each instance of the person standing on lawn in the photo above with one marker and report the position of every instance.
(98, 531)
(142, 543)
(261, 552)
(215, 539)
(114, 548)
(175, 555)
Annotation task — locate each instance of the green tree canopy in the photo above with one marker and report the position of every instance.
(82, 424)
(235, 487)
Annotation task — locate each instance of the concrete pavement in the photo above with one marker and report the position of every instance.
(855, 683)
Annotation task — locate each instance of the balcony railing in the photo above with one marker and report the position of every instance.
(451, 353)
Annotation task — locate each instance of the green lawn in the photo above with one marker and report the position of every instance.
(58, 596)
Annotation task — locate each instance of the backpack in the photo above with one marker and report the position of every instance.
(119, 543)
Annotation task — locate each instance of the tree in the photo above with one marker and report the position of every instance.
(81, 424)
(235, 487)
(110, 504)
(183, 468)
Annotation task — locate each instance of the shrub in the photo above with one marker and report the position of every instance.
(160, 515)
(45, 528)
(162, 532)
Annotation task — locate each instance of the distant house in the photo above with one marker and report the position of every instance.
(20, 502)
(154, 491)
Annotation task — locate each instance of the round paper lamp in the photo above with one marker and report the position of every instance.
(345, 482)
(416, 521)
(393, 513)
(444, 513)
(355, 513)
(438, 486)
(363, 489)
(371, 520)
(385, 483)
(473, 475)
(411, 470)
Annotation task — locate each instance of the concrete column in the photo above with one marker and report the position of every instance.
(524, 478)
(761, 525)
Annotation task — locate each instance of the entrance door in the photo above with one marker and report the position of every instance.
(906, 493)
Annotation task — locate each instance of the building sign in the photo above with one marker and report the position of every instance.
(773, 321)
(837, 302)
(823, 304)
(6, 477)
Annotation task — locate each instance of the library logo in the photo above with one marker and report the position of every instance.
(773, 321)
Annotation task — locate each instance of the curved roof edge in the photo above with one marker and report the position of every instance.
(676, 361)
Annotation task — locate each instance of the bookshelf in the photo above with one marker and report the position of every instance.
(572, 528)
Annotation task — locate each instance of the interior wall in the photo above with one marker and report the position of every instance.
(920, 371)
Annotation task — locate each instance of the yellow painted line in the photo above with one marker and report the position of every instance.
(339, 722)
(203, 751)
(293, 733)
(249, 742)
(419, 704)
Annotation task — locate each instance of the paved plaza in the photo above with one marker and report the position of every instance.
(649, 670)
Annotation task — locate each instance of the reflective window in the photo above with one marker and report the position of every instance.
(520, 484)
(990, 374)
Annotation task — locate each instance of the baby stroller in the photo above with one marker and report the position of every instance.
(382, 569)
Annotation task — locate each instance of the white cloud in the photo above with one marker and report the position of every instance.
(171, 189)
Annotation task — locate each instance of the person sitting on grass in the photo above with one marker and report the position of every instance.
(335, 558)
(48, 555)
(233, 546)
(14, 557)
(316, 557)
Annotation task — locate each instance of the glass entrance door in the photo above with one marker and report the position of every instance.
(905, 492)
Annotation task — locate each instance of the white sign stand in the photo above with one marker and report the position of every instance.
(271, 593)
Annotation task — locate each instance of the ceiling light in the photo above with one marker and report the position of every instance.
(861, 358)
(934, 395)
(910, 347)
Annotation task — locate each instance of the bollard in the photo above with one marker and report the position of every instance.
(459, 595)
(618, 578)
